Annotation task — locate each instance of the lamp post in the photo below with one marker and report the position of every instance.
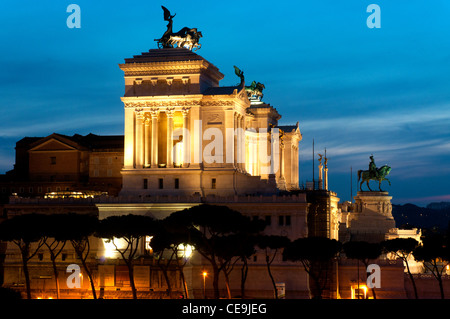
(204, 284)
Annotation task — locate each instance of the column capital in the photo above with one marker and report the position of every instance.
(154, 112)
(185, 111)
(140, 114)
(170, 111)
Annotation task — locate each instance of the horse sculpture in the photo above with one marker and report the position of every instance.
(185, 38)
(255, 90)
(381, 174)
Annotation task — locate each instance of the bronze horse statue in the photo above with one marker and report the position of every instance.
(381, 174)
(255, 90)
(186, 37)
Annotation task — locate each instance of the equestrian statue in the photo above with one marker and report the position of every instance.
(374, 173)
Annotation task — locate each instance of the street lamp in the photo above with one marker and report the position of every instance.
(204, 284)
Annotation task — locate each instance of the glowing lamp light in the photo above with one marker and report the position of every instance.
(355, 291)
(186, 250)
(205, 274)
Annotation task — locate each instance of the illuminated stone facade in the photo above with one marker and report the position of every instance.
(186, 135)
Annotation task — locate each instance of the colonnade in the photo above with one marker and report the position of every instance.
(146, 144)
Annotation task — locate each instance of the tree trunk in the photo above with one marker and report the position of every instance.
(244, 273)
(318, 294)
(275, 291)
(227, 283)
(216, 281)
(183, 279)
(25, 271)
(441, 287)
(412, 279)
(166, 277)
(91, 280)
(55, 272)
(131, 276)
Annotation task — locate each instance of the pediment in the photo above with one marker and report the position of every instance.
(52, 145)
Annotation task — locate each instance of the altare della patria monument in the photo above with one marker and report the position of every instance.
(189, 141)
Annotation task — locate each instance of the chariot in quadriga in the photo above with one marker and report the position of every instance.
(185, 38)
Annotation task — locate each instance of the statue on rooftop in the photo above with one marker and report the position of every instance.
(254, 91)
(240, 74)
(185, 38)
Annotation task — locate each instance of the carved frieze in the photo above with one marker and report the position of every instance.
(172, 103)
(169, 103)
(214, 119)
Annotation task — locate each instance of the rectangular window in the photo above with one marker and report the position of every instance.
(280, 220)
(288, 220)
(30, 190)
(49, 189)
(177, 183)
(109, 172)
(213, 183)
(53, 160)
(39, 189)
(161, 183)
(145, 183)
(268, 220)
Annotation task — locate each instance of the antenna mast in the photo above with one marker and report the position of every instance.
(314, 183)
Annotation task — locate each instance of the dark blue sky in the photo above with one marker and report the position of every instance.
(356, 91)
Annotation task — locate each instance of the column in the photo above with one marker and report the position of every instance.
(235, 139)
(147, 142)
(186, 153)
(169, 113)
(154, 113)
(282, 160)
(320, 172)
(240, 145)
(139, 140)
(129, 138)
(243, 137)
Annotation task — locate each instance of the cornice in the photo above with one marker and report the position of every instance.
(170, 67)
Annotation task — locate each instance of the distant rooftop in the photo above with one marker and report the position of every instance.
(91, 141)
